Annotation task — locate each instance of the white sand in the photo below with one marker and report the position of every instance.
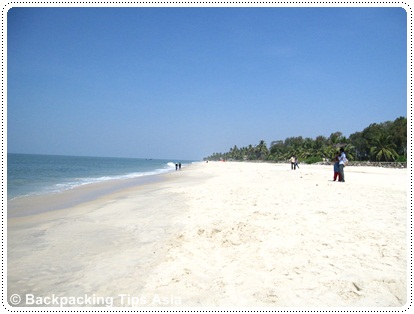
(225, 234)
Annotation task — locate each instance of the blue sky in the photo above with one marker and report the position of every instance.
(188, 82)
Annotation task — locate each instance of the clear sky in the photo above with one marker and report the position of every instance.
(187, 82)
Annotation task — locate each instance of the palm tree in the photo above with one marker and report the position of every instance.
(261, 150)
(307, 150)
(350, 149)
(330, 151)
(249, 153)
(382, 148)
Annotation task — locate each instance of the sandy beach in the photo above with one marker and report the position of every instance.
(220, 234)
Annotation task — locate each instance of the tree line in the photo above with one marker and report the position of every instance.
(385, 141)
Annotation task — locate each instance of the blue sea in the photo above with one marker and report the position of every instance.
(29, 175)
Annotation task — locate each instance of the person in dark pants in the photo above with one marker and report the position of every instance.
(296, 162)
(342, 161)
(292, 163)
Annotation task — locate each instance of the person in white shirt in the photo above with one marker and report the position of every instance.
(342, 161)
(292, 162)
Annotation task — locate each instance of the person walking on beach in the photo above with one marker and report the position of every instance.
(342, 161)
(292, 162)
(176, 167)
(336, 168)
(296, 162)
(179, 166)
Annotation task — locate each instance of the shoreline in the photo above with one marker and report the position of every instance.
(42, 175)
(47, 202)
(94, 244)
(225, 234)
(36, 204)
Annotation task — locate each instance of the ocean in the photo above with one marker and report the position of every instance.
(29, 175)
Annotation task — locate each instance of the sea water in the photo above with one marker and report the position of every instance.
(29, 175)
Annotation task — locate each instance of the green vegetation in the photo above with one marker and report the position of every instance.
(386, 141)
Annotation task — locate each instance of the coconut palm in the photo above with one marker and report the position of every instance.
(350, 151)
(261, 150)
(382, 148)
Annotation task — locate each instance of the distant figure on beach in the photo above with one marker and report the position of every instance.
(336, 167)
(292, 162)
(179, 166)
(296, 162)
(176, 167)
(342, 161)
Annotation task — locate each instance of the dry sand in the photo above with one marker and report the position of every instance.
(222, 234)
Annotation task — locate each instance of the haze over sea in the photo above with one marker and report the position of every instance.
(29, 175)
